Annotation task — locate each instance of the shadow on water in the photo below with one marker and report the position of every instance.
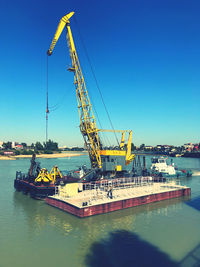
(124, 248)
(192, 259)
(194, 203)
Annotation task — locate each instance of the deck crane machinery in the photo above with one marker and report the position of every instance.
(102, 160)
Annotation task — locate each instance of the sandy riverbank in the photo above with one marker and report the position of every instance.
(46, 156)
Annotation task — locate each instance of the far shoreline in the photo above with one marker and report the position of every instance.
(46, 156)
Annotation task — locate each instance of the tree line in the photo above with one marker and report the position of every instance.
(47, 148)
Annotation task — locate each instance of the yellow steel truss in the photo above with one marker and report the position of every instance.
(88, 125)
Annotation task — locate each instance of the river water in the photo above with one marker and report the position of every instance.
(159, 234)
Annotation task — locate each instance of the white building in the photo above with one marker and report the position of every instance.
(189, 146)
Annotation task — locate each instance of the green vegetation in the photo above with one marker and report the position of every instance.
(25, 152)
(188, 150)
(74, 149)
(51, 146)
(38, 146)
(48, 147)
(48, 151)
(7, 145)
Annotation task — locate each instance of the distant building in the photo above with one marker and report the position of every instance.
(19, 147)
(164, 148)
(1, 144)
(148, 147)
(62, 147)
(14, 144)
(189, 146)
(196, 147)
(167, 146)
(8, 153)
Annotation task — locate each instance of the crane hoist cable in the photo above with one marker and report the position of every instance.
(103, 138)
(57, 105)
(95, 78)
(54, 107)
(117, 158)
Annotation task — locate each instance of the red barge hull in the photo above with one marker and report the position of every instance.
(35, 191)
(39, 191)
(115, 205)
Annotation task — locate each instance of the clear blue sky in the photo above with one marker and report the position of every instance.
(146, 56)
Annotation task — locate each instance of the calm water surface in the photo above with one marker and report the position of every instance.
(35, 234)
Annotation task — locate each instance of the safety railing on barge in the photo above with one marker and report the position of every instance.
(114, 188)
(119, 183)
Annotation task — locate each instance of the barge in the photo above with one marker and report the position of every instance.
(35, 191)
(104, 197)
(39, 183)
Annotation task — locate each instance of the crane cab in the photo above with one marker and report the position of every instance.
(113, 160)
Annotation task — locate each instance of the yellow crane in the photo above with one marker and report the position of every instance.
(105, 160)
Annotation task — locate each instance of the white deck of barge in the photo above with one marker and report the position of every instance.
(97, 196)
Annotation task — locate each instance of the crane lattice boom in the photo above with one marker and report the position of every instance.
(88, 125)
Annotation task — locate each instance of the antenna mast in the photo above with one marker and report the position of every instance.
(47, 109)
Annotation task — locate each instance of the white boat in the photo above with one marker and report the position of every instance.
(159, 165)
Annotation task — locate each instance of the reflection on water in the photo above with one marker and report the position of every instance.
(31, 230)
(39, 215)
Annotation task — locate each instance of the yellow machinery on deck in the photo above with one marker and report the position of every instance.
(55, 174)
(45, 177)
(104, 160)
